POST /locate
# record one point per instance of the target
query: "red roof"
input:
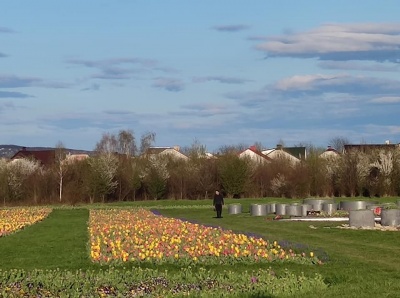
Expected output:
(45, 157)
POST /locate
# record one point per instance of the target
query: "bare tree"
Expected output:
(338, 143)
(353, 172)
(61, 166)
(107, 144)
(232, 149)
(196, 150)
(135, 178)
(127, 143)
(123, 143)
(146, 141)
(258, 146)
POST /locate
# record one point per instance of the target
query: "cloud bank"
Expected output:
(339, 42)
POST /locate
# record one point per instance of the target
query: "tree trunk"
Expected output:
(61, 187)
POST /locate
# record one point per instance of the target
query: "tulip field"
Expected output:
(140, 236)
(12, 220)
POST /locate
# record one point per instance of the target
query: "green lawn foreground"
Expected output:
(59, 241)
(360, 263)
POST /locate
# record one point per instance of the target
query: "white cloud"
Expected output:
(303, 82)
(369, 41)
(340, 83)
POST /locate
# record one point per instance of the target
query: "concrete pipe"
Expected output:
(329, 208)
(294, 210)
(271, 208)
(361, 218)
(317, 203)
(390, 217)
(355, 205)
(235, 209)
(305, 208)
(258, 210)
(280, 209)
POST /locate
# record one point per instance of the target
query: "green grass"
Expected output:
(360, 263)
(59, 241)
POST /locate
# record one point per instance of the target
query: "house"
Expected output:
(75, 157)
(255, 155)
(166, 151)
(368, 148)
(209, 155)
(294, 154)
(330, 153)
(45, 157)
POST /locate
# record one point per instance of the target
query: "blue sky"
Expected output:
(219, 72)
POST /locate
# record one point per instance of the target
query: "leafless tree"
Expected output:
(123, 143)
(127, 143)
(232, 149)
(61, 166)
(107, 144)
(259, 146)
(196, 150)
(338, 143)
(146, 141)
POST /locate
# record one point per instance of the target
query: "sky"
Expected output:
(218, 73)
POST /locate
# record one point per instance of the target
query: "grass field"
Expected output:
(357, 263)
(360, 263)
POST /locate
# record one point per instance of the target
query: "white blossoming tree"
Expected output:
(155, 176)
(384, 163)
(18, 171)
(3, 180)
(278, 185)
(103, 169)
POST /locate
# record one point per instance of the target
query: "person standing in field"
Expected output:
(218, 203)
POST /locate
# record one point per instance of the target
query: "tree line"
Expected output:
(120, 170)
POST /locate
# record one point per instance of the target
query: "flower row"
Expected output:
(139, 282)
(139, 235)
(15, 219)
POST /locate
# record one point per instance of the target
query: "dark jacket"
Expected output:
(218, 199)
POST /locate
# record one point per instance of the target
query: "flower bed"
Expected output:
(140, 282)
(12, 220)
(140, 236)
